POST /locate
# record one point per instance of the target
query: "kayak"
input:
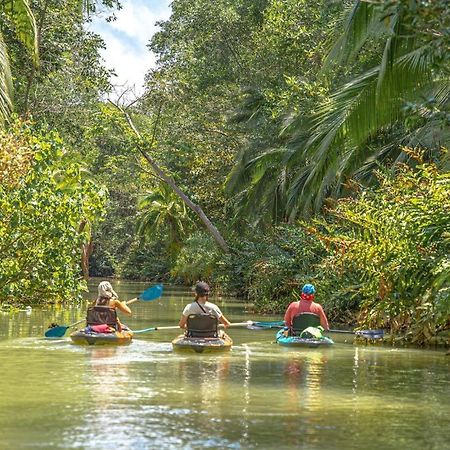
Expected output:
(81, 337)
(222, 343)
(297, 341)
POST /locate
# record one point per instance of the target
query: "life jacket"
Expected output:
(202, 325)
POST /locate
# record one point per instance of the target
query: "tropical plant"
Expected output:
(389, 254)
(162, 210)
(197, 260)
(400, 98)
(268, 267)
(17, 15)
(411, 70)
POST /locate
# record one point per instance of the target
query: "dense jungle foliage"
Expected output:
(277, 142)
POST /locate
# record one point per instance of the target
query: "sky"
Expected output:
(126, 40)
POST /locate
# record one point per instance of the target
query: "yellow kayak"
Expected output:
(222, 343)
(81, 337)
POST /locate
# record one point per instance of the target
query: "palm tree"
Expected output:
(374, 102)
(17, 15)
(402, 100)
(162, 209)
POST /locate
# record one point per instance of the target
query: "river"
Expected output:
(55, 395)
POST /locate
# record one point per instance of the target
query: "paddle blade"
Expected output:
(56, 332)
(370, 334)
(152, 293)
(265, 325)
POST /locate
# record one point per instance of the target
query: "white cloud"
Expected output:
(126, 40)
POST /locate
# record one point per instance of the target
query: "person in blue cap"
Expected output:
(306, 305)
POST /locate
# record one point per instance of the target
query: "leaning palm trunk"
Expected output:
(170, 181)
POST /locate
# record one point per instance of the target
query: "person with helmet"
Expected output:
(201, 305)
(306, 305)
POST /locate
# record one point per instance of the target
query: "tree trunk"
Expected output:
(86, 252)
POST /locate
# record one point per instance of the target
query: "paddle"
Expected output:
(148, 295)
(57, 331)
(368, 334)
(175, 327)
(264, 325)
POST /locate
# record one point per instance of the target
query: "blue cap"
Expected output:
(309, 289)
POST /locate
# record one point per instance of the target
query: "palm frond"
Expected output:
(363, 21)
(20, 14)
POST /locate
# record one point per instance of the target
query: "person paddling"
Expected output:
(107, 298)
(306, 305)
(201, 306)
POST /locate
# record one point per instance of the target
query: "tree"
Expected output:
(389, 253)
(395, 93)
(162, 210)
(142, 145)
(16, 15)
(411, 67)
(42, 202)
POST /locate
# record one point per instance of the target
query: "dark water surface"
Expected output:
(55, 395)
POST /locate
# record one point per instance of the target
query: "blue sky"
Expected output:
(127, 37)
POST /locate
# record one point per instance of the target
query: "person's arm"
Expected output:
(183, 321)
(224, 320)
(220, 317)
(288, 316)
(184, 316)
(323, 319)
(122, 306)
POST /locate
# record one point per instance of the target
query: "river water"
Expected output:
(55, 395)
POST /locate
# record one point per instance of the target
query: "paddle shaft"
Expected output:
(129, 302)
(176, 327)
(276, 324)
(361, 332)
(342, 331)
(76, 323)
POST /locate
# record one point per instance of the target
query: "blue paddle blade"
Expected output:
(56, 332)
(152, 293)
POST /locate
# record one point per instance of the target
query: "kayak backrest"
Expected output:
(304, 320)
(202, 325)
(99, 315)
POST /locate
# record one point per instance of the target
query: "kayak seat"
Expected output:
(202, 325)
(101, 315)
(302, 321)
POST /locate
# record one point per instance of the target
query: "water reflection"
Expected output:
(304, 402)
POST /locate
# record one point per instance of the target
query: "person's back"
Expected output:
(197, 307)
(306, 305)
(201, 306)
(108, 299)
